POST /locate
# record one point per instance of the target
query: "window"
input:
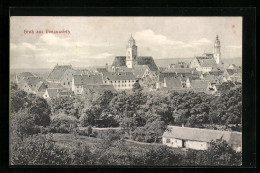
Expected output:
(133, 81)
(46, 95)
(122, 81)
(118, 81)
(168, 140)
(68, 83)
(105, 81)
(115, 81)
(118, 85)
(111, 81)
(129, 81)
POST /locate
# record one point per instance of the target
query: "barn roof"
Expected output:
(88, 79)
(204, 135)
(119, 61)
(119, 76)
(58, 71)
(206, 61)
(173, 82)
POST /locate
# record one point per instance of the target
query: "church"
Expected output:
(208, 61)
(132, 61)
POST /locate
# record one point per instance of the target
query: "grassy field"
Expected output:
(72, 141)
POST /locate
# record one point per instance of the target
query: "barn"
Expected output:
(199, 139)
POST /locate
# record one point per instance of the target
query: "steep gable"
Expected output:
(58, 72)
(147, 60)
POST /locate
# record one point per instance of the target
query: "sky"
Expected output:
(95, 41)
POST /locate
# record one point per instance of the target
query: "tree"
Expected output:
(137, 87)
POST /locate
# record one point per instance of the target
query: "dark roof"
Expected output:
(147, 60)
(124, 69)
(33, 82)
(88, 79)
(203, 135)
(119, 76)
(58, 72)
(196, 84)
(206, 61)
(173, 82)
(119, 61)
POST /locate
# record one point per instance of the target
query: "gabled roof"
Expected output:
(88, 79)
(58, 72)
(139, 70)
(147, 60)
(199, 84)
(119, 61)
(203, 135)
(173, 82)
(206, 61)
(119, 76)
(34, 82)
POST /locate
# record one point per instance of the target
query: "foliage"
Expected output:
(151, 132)
(62, 123)
(38, 150)
(218, 153)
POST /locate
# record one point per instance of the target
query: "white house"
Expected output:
(199, 139)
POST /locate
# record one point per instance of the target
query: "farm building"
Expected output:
(199, 139)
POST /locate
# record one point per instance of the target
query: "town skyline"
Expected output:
(89, 45)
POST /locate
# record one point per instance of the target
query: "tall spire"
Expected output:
(131, 41)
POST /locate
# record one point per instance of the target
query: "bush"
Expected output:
(38, 150)
(63, 123)
(85, 132)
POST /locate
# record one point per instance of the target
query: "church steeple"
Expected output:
(217, 54)
(131, 53)
(131, 41)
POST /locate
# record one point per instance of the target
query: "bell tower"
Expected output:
(217, 54)
(131, 53)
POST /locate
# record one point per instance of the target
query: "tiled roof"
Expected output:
(33, 82)
(203, 135)
(173, 82)
(125, 69)
(119, 61)
(206, 61)
(197, 84)
(119, 76)
(147, 60)
(88, 79)
(58, 72)
(139, 70)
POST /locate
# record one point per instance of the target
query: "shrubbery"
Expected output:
(62, 123)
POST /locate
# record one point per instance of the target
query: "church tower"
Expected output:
(131, 53)
(217, 54)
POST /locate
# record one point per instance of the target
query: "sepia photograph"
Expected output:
(125, 91)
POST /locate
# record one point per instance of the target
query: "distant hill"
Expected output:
(236, 61)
